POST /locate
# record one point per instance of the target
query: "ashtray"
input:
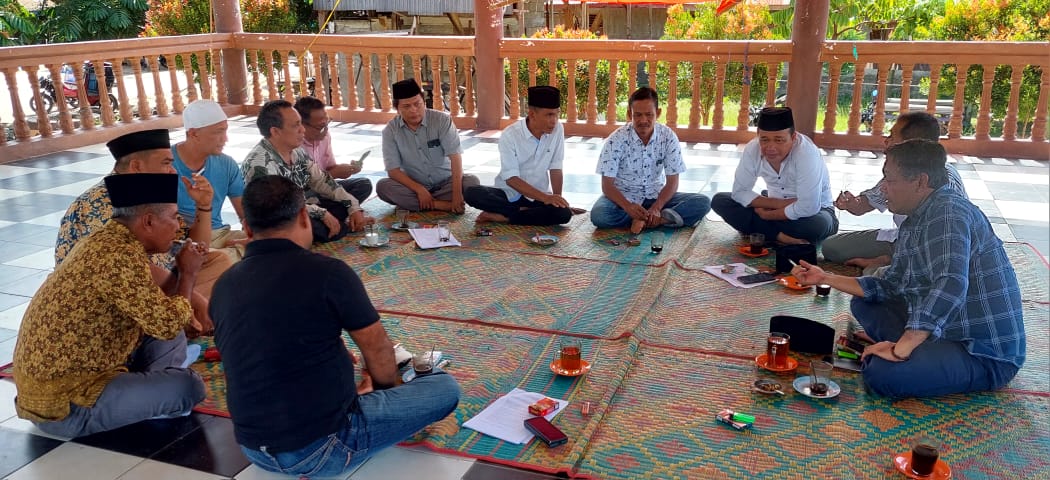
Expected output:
(768, 387)
(544, 240)
(483, 232)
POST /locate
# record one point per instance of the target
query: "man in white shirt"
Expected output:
(639, 165)
(318, 144)
(531, 150)
(797, 206)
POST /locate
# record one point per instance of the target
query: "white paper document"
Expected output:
(505, 418)
(739, 270)
(428, 238)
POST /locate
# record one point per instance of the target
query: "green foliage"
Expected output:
(868, 19)
(268, 16)
(18, 26)
(177, 17)
(82, 20)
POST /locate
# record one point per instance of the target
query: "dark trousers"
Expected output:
(360, 188)
(813, 229)
(520, 212)
(339, 211)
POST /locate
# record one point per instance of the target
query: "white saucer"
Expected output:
(365, 244)
(403, 228)
(801, 385)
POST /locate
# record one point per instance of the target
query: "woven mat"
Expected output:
(578, 239)
(1033, 274)
(598, 299)
(661, 425)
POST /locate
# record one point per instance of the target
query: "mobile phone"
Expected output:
(361, 161)
(756, 278)
(546, 431)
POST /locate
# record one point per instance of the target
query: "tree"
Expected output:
(18, 26)
(82, 20)
(870, 19)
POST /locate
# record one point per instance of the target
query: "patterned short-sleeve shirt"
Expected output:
(639, 169)
(264, 160)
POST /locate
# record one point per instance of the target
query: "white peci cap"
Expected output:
(202, 113)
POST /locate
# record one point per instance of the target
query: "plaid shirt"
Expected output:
(878, 201)
(953, 274)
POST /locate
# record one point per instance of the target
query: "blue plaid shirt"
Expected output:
(953, 274)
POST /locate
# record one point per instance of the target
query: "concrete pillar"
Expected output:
(807, 40)
(489, 66)
(234, 66)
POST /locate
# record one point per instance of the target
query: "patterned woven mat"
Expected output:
(578, 239)
(526, 291)
(661, 425)
(1033, 273)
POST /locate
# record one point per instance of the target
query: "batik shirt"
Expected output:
(88, 213)
(640, 170)
(878, 200)
(304, 172)
(86, 320)
(953, 273)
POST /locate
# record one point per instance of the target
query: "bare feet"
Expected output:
(486, 217)
(881, 260)
(637, 226)
(578, 210)
(789, 240)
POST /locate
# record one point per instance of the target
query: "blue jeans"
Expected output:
(375, 421)
(690, 206)
(935, 368)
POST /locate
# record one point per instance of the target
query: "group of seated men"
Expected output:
(144, 258)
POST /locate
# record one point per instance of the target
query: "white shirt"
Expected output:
(803, 176)
(640, 169)
(523, 155)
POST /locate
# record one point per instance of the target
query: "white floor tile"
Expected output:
(1004, 233)
(50, 220)
(255, 473)
(8, 171)
(4, 223)
(99, 166)
(6, 194)
(11, 318)
(73, 189)
(42, 260)
(7, 399)
(72, 460)
(403, 463)
(25, 426)
(1035, 211)
(1011, 177)
(976, 189)
(154, 470)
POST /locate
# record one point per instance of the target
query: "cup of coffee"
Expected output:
(402, 217)
(443, 231)
(820, 380)
(757, 241)
(823, 290)
(422, 363)
(924, 454)
(778, 346)
(656, 243)
(570, 351)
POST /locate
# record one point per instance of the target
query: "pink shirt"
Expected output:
(321, 151)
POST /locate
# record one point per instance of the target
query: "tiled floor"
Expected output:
(34, 194)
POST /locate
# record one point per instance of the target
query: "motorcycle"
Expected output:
(70, 88)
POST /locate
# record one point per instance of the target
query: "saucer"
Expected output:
(556, 368)
(745, 250)
(792, 283)
(544, 240)
(763, 362)
(941, 470)
(365, 244)
(801, 385)
(403, 228)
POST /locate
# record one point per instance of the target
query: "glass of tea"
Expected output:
(656, 243)
(757, 241)
(778, 346)
(570, 352)
(924, 454)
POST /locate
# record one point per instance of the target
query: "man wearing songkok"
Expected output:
(201, 153)
(871, 249)
(797, 207)
(101, 345)
(531, 151)
(422, 156)
(639, 165)
(946, 315)
(333, 211)
(149, 151)
(318, 144)
(290, 385)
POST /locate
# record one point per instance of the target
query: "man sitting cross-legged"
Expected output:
(639, 165)
(290, 379)
(101, 345)
(422, 156)
(531, 151)
(946, 315)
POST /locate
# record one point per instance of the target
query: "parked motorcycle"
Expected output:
(70, 88)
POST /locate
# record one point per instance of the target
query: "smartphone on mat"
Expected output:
(546, 431)
(756, 278)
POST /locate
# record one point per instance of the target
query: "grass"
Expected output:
(729, 114)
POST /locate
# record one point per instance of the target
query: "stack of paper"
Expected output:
(739, 270)
(505, 418)
(428, 238)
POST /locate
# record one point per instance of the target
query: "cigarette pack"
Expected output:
(543, 407)
(726, 417)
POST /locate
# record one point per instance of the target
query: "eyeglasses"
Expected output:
(322, 128)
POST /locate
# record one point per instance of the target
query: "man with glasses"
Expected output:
(333, 212)
(871, 249)
(422, 156)
(318, 144)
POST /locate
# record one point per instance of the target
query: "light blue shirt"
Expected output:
(802, 176)
(640, 170)
(226, 181)
(523, 155)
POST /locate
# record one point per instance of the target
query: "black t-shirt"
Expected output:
(279, 315)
